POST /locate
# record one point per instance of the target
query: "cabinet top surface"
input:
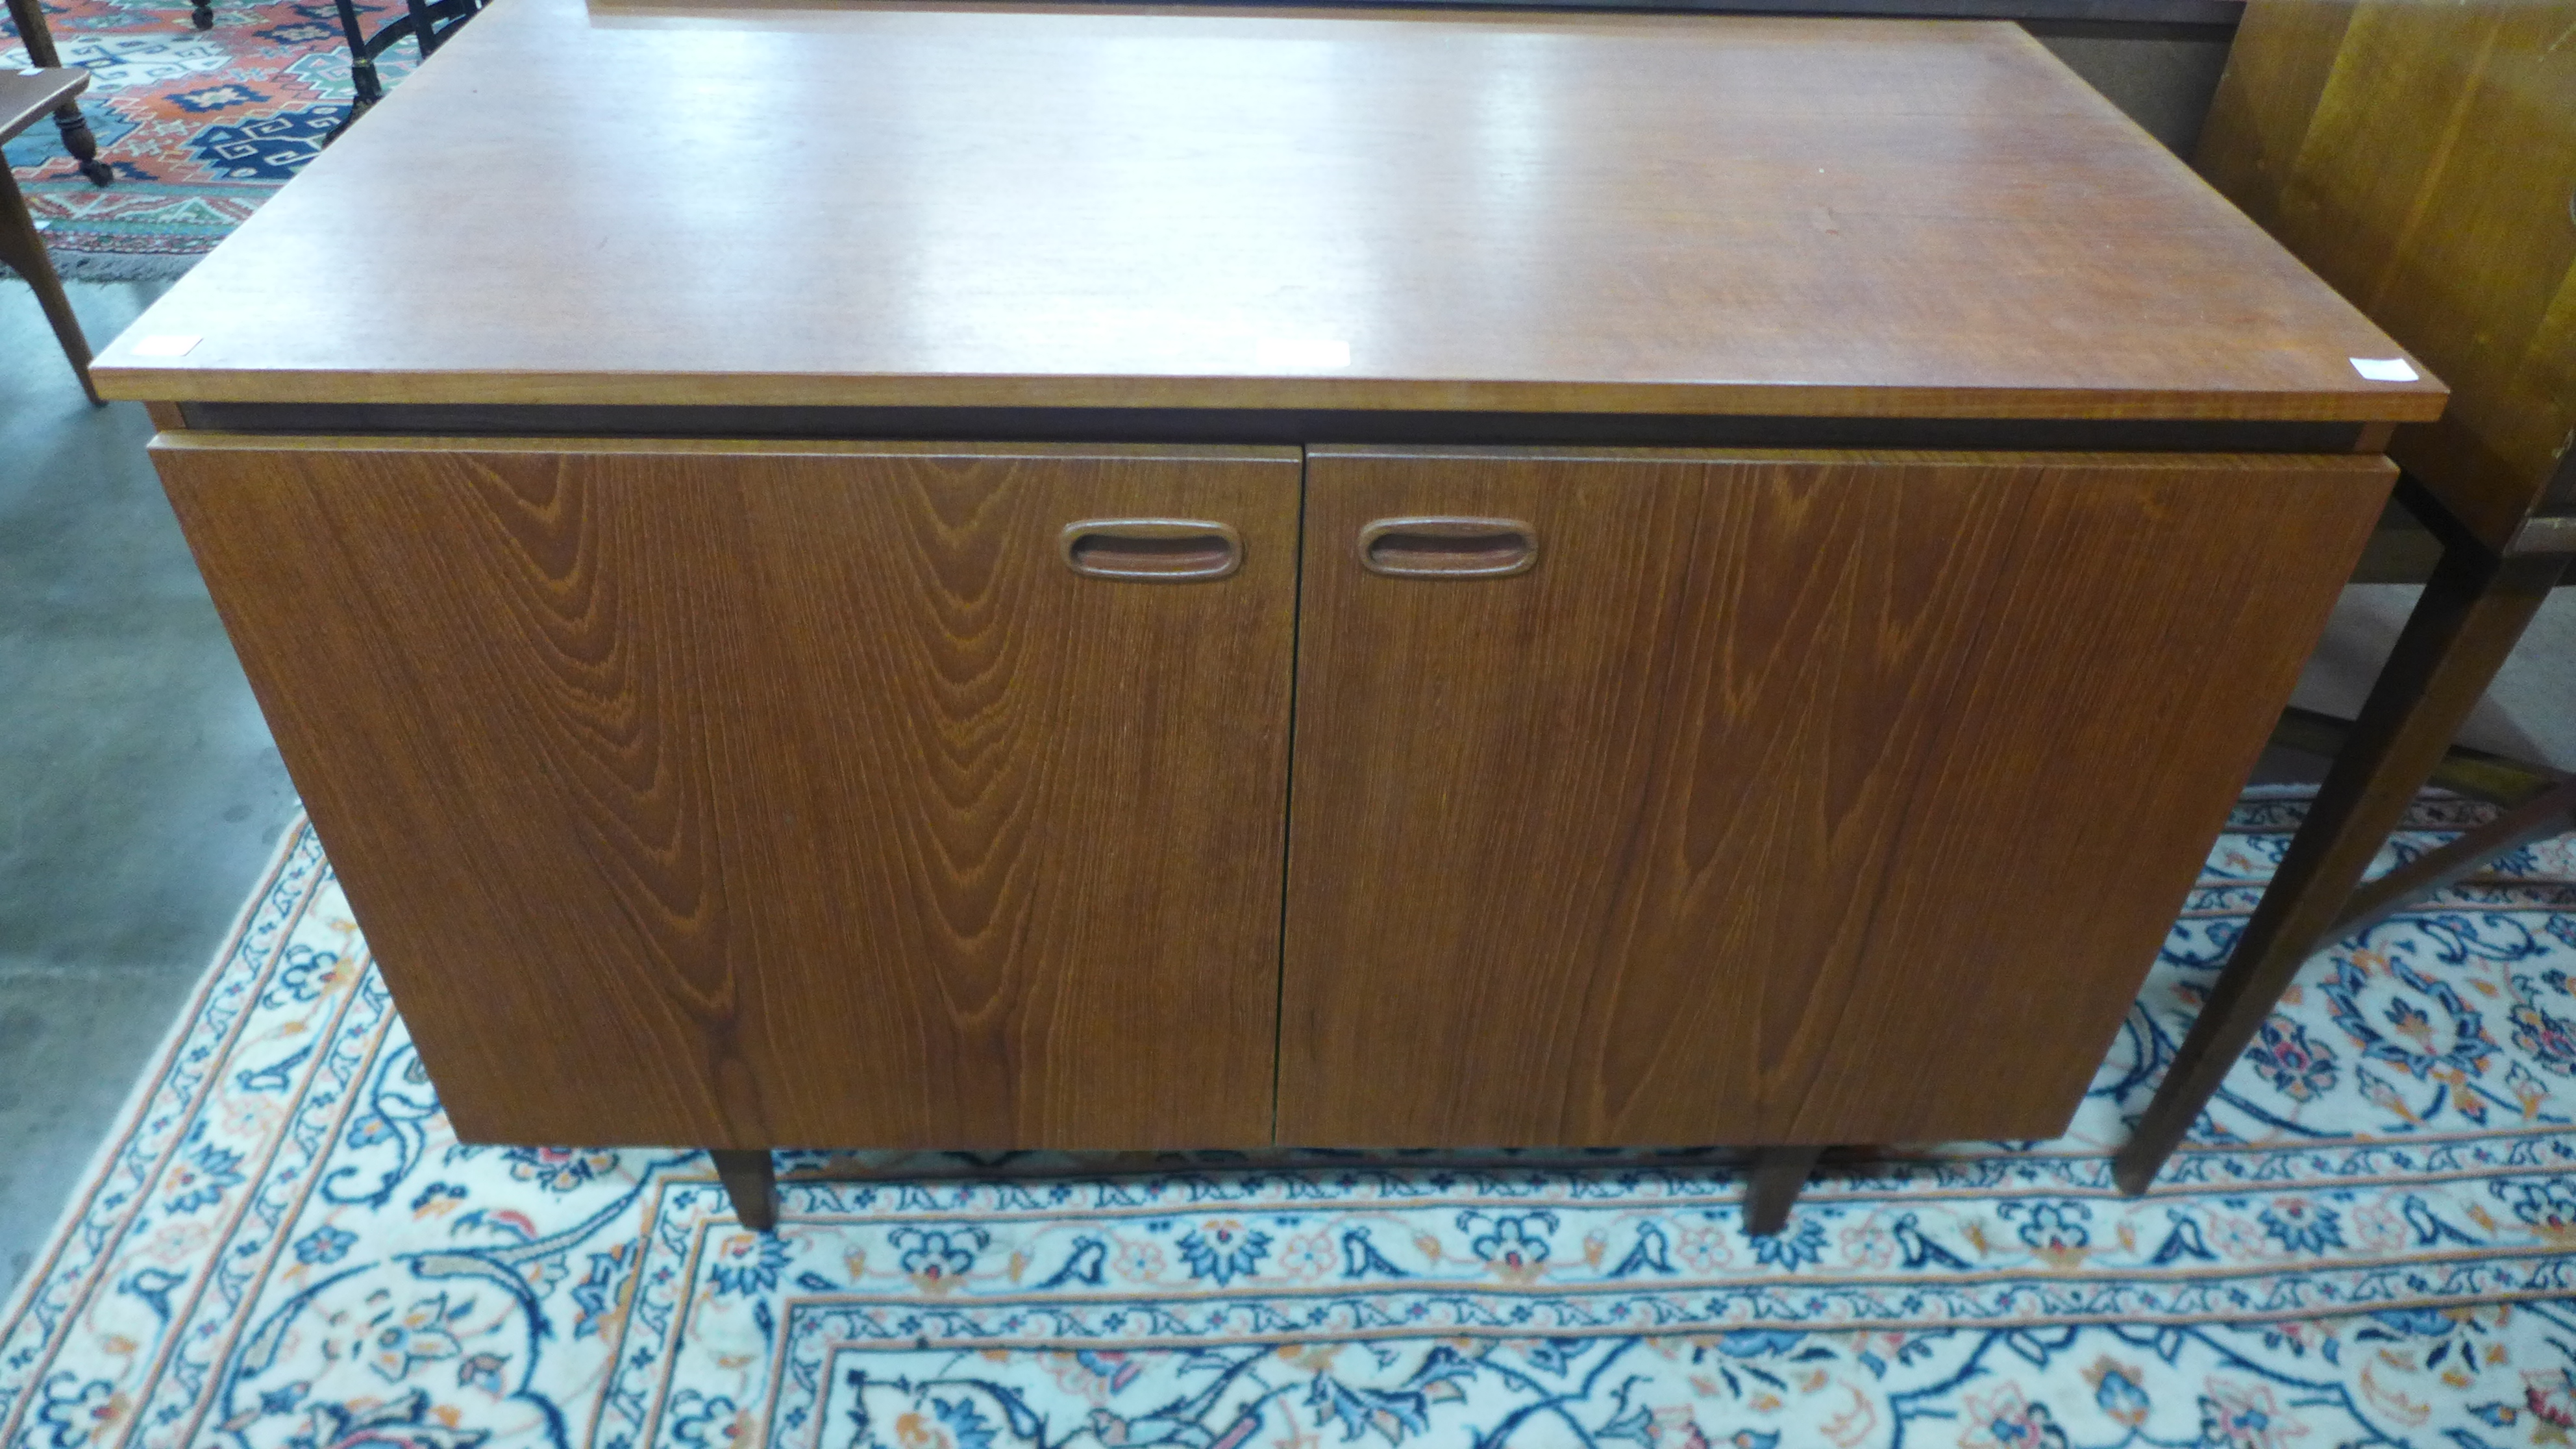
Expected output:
(1073, 207)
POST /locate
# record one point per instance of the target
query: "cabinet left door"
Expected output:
(810, 794)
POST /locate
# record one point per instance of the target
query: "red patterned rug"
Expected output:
(200, 126)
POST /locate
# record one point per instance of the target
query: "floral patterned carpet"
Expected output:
(2366, 1243)
(199, 126)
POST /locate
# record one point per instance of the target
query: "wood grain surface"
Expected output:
(986, 206)
(1788, 799)
(740, 795)
(25, 95)
(2423, 159)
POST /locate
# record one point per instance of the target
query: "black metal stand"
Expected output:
(428, 22)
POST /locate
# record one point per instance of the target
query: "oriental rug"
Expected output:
(2366, 1242)
(199, 126)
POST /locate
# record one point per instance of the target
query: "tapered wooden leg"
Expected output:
(1778, 1173)
(2471, 613)
(751, 1181)
(2538, 818)
(29, 18)
(23, 248)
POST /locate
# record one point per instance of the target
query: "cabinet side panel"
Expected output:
(2147, 628)
(1825, 799)
(750, 799)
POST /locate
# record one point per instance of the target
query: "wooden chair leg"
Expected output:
(29, 17)
(2538, 818)
(2470, 615)
(82, 143)
(23, 248)
(751, 1180)
(1772, 1187)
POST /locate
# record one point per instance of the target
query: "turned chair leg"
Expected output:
(78, 139)
(1772, 1186)
(751, 1180)
(33, 33)
(2471, 613)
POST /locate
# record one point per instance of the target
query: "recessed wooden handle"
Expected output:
(1448, 548)
(1152, 550)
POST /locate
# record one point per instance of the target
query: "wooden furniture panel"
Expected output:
(1786, 798)
(1078, 206)
(2421, 158)
(809, 793)
(744, 796)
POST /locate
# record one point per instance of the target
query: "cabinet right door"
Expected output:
(1650, 797)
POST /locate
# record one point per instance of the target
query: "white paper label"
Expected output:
(2384, 369)
(165, 345)
(1301, 352)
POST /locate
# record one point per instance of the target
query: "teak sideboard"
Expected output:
(1086, 579)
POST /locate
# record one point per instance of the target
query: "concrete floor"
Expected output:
(2529, 713)
(144, 797)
